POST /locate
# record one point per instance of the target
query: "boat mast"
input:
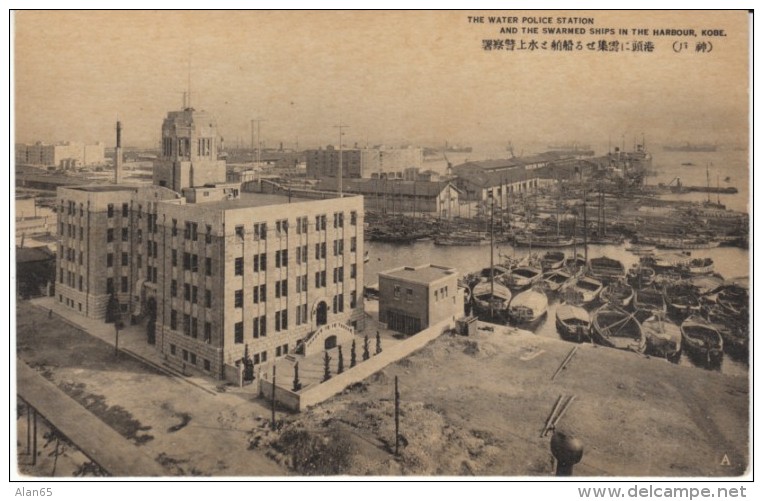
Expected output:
(707, 172)
(718, 187)
(585, 228)
(492, 273)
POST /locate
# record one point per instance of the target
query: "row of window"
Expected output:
(191, 357)
(260, 230)
(71, 209)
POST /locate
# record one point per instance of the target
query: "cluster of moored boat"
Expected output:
(665, 305)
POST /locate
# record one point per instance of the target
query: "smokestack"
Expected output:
(118, 155)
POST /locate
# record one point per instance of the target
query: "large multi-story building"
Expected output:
(64, 155)
(363, 163)
(228, 279)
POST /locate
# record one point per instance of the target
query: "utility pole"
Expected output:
(341, 126)
(273, 401)
(397, 418)
(259, 143)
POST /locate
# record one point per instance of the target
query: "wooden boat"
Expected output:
(702, 338)
(606, 269)
(575, 264)
(701, 266)
(734, 299)
(663, 337)
(573, 322)
(616, 328)
(670, 261)
(524, 276)
(682, 300)
(491, 300)
(585, 289)
(553, 241)
(528, 306)
(641, 276)
(554, 280)
(553, 260)
(734, 330)
(641, 249)
(618, 293)
(706, 284)
(649, 300)
(463, 238)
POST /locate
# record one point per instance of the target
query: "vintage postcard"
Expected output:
(383, 244)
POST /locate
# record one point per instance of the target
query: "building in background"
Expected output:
(66, 155)
(436, 198)
(362, 162)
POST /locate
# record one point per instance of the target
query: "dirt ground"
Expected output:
(469, 406)
(476, 406)
(187, 430)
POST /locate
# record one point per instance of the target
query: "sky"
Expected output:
(393, 77)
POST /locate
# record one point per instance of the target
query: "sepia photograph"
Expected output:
(379, 244)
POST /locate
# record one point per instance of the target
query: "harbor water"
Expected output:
(730, 262)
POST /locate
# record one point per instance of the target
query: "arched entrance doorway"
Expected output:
(329, 343)
(321, 314)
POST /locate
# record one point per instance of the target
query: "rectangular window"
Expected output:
(173, 349)
(110, 210)
(299, 254)
(207, 365)
(239, 266)
(194, 294)
(353, 270)
(193, 358)
(260, 231)
(173, 320)
(208, 235)
(194, 263)
(353, 299)
(396, 291)
(174, 257)
(125, 210)
(174, 227)
(260, 262)
(109, 260)
(239, 299)
(110, 235)
(125, 259)
(208, 266)
(187, 292)
(185, 355)
(125, 234)
(186, 260)
(240, 233)
(238, 333)
(174, 288)
(187, 324)
(207, 332)
(353, 218)
(123, 284)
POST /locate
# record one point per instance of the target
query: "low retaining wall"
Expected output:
(315, 394)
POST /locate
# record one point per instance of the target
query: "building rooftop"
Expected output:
(424, 274)
(248, 200)
(101, 188)
(33, 254)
